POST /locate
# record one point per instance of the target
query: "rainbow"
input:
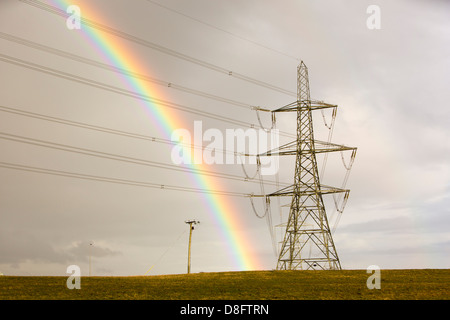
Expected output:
(115, 53)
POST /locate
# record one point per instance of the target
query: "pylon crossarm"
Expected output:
(323, 146)
(308, 190)
(324, 189)
(319, 147)
(301, 105)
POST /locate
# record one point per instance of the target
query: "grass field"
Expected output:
(421, 284)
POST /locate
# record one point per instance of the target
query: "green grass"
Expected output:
(249, 285)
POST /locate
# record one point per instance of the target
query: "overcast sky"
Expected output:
(391, 86)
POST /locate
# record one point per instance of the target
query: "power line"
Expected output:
(84, 125)
(104, 86)
(158, 47)
(225, 31)
(119, 181)
(87, 126)
(167, 250)
(123, 71)
(139, 96)
(128, 134)
(111, 156)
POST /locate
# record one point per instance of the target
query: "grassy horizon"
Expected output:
(396, 284)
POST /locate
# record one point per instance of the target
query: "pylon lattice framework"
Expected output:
(307, 243)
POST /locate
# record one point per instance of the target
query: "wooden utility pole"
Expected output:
(191, 228)
(90, 245)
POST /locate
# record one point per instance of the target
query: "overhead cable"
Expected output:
(136, 95)
(160, 48)
(68, 174)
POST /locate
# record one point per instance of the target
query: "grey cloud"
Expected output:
(441, 249)
(18, 246)
(82, 249)
(388, 225)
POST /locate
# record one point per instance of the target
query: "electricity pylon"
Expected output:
(307, 243)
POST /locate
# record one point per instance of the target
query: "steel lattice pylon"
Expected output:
(307, 243)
